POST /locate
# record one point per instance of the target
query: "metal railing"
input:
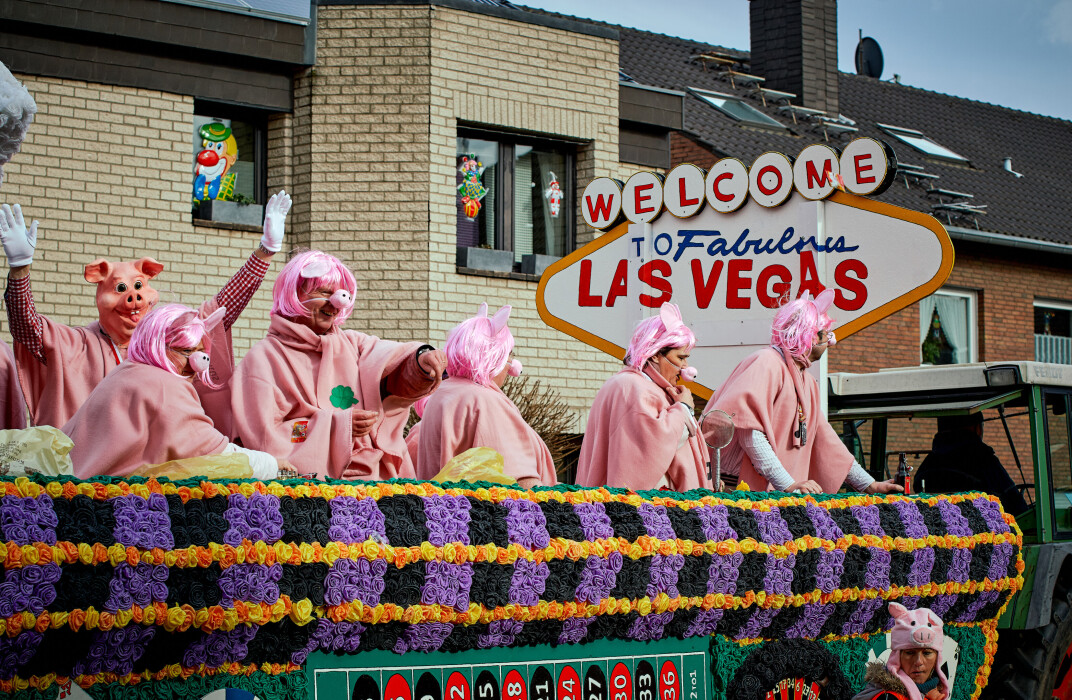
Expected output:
(1053, 348)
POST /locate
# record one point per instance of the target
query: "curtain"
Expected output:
(953, 313)
(926, 312)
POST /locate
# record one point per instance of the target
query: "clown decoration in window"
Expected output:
(219, 152)
(471, 190)
(553, 195)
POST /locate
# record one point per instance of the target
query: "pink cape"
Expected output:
(281, 399)
(760, 395)
(12, 404)
(139, 414)
(413, 439)
(632, 437)
(78, 359)
(463, 414)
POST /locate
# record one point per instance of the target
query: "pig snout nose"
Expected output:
(924, 636)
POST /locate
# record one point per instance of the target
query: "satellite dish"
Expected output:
(868, 58)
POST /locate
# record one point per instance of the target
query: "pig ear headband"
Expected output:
(214, 319)
(498, 321)
(671, 316)
(824, 300)
(315, 269)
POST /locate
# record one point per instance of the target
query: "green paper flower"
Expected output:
(342, 397)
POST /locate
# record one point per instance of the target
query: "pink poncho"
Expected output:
(632, 437)
(760, 395)
(463, 414)
(294, 393)
(139, 414)
(12, 404)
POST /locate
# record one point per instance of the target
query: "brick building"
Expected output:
(364, 112)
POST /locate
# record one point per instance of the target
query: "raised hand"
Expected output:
(19, 243)
(275, 219)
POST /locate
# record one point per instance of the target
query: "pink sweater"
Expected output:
(463, 414)
(282, 400)
(12, 404)
(632, 439)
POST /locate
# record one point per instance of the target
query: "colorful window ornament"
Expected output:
(553, 195)
(471, 190)
(212, 167)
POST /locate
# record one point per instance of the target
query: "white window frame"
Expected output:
(906, 135)
(972, 321)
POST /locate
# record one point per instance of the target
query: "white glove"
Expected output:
(19, 244)
(275, 219)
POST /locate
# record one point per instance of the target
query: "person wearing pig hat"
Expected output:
(781, 440)
(59, 365)
(914, 668)
(333, 402)
(470, 410)
(147, 411)
(641, 430)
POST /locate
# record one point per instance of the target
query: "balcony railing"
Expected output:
(1053, 348)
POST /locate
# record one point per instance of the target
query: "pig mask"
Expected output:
(123, 294)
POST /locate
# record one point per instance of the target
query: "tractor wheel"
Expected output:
(1036, 664)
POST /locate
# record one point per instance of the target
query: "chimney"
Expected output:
(794, 46)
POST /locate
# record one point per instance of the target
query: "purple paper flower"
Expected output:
(829, 570)
(865, 609)
(959, 567)
(116, 650)
(922, 564)
(772, 527)
(911, 517)
(664, 572)
(825, 527)
(355, 579)
(650, 627)
(338, 636)
(447, 519)
(17, 651)
(869, 519)
(528, 582)
(779, 577)
(356, 520)
(500, 633)
(143, 522)
(574, 630)
(526, 524)
(217, 648)
(30, 589)
(984, 599)
(423, 636)
(595, 523)
(910, 601)
(999, 561)
(141, 585)
(723, 573)
(447, 584)
(878, 569)
(761, 618)
(256, 518)
(251, 583)
(991, 512)
(811, 621)
(656, 521)
(705, 623)
(942, 603)
(598, 578)
(954, 519)
(716, 523)
(298, 656)
(28, 520)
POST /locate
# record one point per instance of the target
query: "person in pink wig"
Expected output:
(147, 411)
(914, 669)
(782, 441)
(413, 437)
(60, 365)
(470, 410)
(641, 430)
(334, 402)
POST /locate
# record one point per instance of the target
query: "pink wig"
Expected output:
(171, 326)
(479, 348)
(307, 272)
(797, 321)
(657, 333)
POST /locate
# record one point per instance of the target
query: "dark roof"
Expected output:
(1036, 206)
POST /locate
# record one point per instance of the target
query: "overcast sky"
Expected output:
(1015, 53)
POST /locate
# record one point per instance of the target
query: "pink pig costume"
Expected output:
(638, 435)
(470, 410)
(294, 393)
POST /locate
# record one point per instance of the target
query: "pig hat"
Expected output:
(478, 348)
(123, 294)
(915, 629)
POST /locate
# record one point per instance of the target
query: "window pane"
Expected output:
(922, 143)
(1060, 468)
(476, 180)
(739, 110)
(224, 159)
(1050, 321)
(947, 337)
(541, 206)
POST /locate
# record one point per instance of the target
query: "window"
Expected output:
(1053, 332)
(947, 333)
(514, 194)
(1058, 437)
(920, 142)
(736, 108)
(228, 155)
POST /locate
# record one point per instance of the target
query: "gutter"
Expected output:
(1000, 239)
